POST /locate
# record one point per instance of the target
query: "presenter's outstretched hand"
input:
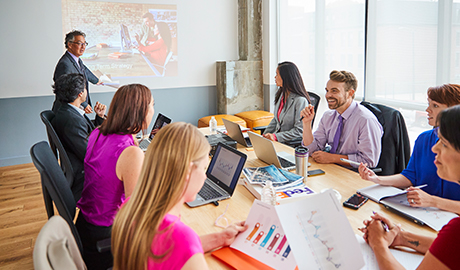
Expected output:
(100, 109)
(368, 174)
(88, 109)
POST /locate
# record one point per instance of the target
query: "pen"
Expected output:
(301, 118)
(421, 186)
(357, 164)
(385, 226)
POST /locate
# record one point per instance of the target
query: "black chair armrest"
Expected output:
(260, 128)
(104, 245)
(294, 143)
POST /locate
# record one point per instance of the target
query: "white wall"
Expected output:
(32, 43)
(269, 51)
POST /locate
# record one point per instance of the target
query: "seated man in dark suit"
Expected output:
(70, 62)
(72, 125)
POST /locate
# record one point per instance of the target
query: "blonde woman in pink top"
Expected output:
(112, 166)
(147, 231)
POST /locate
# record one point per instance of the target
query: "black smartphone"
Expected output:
(315, 172)
(355, 201)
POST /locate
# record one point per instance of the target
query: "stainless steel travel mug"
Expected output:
(301, 161)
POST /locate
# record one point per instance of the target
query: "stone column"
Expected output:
(240, 82)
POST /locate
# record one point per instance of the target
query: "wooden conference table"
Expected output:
(202, 218)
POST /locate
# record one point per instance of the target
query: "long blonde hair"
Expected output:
(160, 187)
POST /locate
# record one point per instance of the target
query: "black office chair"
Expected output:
(395, 153)
(54, 185)
(57, 147)
(314, 101)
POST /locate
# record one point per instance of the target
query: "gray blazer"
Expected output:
(288, 127)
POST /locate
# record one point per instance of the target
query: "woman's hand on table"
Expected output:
(375, 233)
(419, 198)
(231, 232)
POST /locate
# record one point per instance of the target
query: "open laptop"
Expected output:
(161, 121)
(234, 132)
(223, 173)
(265, 151)
(125, 39)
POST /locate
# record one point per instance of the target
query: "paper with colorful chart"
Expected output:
(320, 234)
(264, 240)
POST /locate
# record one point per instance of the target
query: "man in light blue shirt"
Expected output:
(350, 129)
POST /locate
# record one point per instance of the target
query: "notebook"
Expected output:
(223, 173)
(395, 200)
(234, 132)
(160, 122)
(265, 151)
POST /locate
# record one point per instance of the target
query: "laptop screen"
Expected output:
(161, 121)
(225, 167)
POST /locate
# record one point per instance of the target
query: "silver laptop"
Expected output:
(265, 151)
(161, 121)
(234, 132)
(223, 173)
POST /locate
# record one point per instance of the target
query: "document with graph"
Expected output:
(319, 233)
(313, 233)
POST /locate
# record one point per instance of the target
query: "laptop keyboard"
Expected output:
(208, 193)
(144, 144)
(285, 163)
(248, 142)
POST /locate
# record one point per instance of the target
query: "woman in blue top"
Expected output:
(421, 169)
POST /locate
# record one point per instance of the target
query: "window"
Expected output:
(411, 45)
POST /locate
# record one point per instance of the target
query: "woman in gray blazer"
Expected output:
(290, 99)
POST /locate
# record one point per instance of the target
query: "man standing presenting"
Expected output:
(350, 129)
(147, 35)
(72, 125)
(70, 62)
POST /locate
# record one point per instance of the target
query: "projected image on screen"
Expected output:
(125, 39)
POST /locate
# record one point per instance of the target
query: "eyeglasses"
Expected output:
(80, 43)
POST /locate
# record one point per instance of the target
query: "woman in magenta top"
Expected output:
(112, 166)
(440, 252)
(147, 231)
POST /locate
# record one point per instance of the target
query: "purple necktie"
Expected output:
(335, 144)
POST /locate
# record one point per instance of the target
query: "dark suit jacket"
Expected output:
(68, 65)
(395, 140)
(73, 130)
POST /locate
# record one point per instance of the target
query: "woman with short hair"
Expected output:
(421, 170)
(440, 252)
